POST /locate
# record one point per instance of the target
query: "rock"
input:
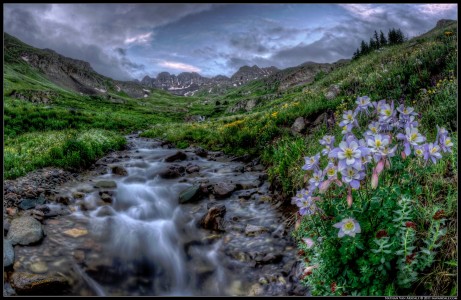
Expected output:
(53, 210)
(78, 195)
(39, 267)
(279, 232)
(79, 255)
(201, 152)
(76, 232)
(106, 198)
(31, 203)
(177, 156)
(8, 253)
(105, 184)
(6, 226)
(26, 283)
(269, 258)
(214, 218)
(63, 199)
(252, 230)
(299, 125)
(192, 169)
(320, 119)
(332, 92)
(118, 170)
(105, 211)
(172, 171)
(223, 189)
(12, 211)
(190, 194)
(255, 290)
(25, 230)
(246, 185)
(37, 214)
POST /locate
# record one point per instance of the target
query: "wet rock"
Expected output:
(214, 218)
(246, 194)
(246, 185)
(39, 267)
(8, 253)
(31, 203)
(63, 199)
(279, 232)
(6, 226)
(299, 125)
(223, 189)
(76, 232)
(172, 171)
(190, 194)
(118, 170)
(53, 210)
(24, 231)
(201, 152)
(258, 168)
(26, 283)
(253, 230)
(78, 195)
(79, 255)
(105, 211)
(269, 258)
(192, 169)
(177, 156)
(106, 197)
(10, 199)
(105, 184)
(37, 214)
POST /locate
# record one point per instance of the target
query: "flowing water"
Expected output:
(141, 241)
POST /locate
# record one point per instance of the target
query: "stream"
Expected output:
(152, 220)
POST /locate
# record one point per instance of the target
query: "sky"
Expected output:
(129, 41)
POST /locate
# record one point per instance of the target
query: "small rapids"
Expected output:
(128, 235)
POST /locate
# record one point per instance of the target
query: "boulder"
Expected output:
(192, 169)
(118, 170)
(299, 125)
(177, 156)
(25, 230)
(201, 152)
(25, 283)
(31, 203)
(108, 184)
(172, 171)
(252, 230)
(214, 218)
(332, 92)
(223, 189)
(190, 194)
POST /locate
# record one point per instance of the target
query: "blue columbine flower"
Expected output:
(411, 137)
(348, 226)
(312, 163)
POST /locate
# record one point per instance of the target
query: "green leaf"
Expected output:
(452, 263)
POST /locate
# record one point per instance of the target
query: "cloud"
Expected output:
(139, 39)
(179, 66)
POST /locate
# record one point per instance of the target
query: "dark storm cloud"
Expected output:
(88, 31)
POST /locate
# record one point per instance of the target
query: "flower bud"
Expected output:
(374, 180)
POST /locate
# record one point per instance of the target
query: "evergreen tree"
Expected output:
(356, 54)
(378, 45)
(392, 37)
(400, 38)
(372, 45)
(364, 48)
(382, 39)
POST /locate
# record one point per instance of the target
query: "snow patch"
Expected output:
(191, 93)
(100, 90)
(25, 58)
(147, 91)
(118, 88)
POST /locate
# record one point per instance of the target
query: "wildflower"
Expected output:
(349, 153)
(411, 137)
(406, 111)
(363, 103)
(312, 163)
(349, 119)
(373, 129)
(316, 179)
(377, 142)
(300, 195)
(352, 176)
(420, 151)
(441, 131)
(432, 152)
(348, 226)
(332, 173)
(327, 141)
(309, 242)
(306, 205)
(446, 144)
